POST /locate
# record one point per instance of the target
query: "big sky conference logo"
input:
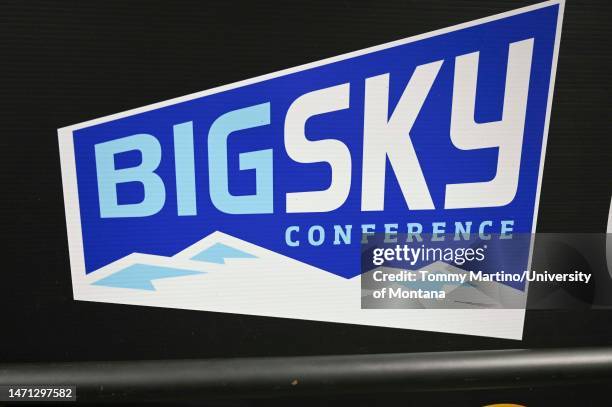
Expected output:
(440, 133)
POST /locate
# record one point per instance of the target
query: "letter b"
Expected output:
(108, 176)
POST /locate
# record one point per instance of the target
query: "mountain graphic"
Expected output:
(138, 270)
(222, 273)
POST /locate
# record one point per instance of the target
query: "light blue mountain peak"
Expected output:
(218, 252)
(139, 276)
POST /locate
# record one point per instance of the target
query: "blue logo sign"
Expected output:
(441, 133)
